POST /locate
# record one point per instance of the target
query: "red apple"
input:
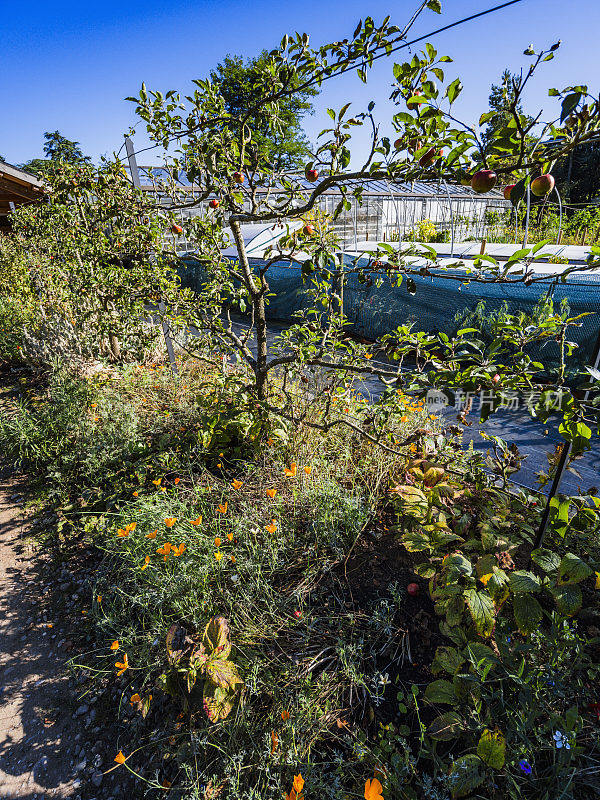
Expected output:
(508, 189)
(413, 589)
(176, 228)
(429, 157)
(238, 177)
(213, 203)
(308, 229)
(311, 175)
(484, 180)
(413, 103)
(542, 185)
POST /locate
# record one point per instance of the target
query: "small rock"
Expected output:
(83, 709)
(97, 778)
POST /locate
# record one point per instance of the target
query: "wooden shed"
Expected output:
(16, 188)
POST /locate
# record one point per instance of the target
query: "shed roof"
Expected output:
(17, 187)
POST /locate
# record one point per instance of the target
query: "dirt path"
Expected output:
(36, 723)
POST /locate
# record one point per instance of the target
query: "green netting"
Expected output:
(438, 304)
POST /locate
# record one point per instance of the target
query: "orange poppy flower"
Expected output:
(230, 536)
(177, 551)
(368, 355)
(219, 465)
(135, 494)
(217, 541)
(170, 521)
(99, 598)
(308, 470)
(162, 489)
(152, 534)
(120, 758)
(269, 440)
(237, 484)
(271, 493)
(272, 527)
(298, 784)
(274, 741)
(285, 715)
(218, 555)
(157, 482)
(135, 698)
(122, 532)
(373, 790)
(131, 526)
(115, 645)
(176, 481)
(223, 507)
(197, 521)
(291, 471)
(146, 562)
(122, 665)
(93, 405)
(164, 550)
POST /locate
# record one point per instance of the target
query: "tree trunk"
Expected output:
(257, 295)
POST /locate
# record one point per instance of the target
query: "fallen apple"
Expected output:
(542, 185)
(413, 589)
(483, 181)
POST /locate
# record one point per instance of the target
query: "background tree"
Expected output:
(284, 142)
(502, 101)
(58, 150)
(578, 175)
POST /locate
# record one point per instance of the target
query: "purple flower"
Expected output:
(525, 766)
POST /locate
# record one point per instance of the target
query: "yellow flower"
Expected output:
(218, 555)
(291, 471)
(271, 493)
(120, 758)
(122, 665)
(146, 562)
(170, 521)
(217, 541)
(197, 521)
(223, 507)
(237, 484)
(115, 645)
(308, 470)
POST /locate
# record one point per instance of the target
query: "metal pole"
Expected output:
(562, 464)
(135, 179)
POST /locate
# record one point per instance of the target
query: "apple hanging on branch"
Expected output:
(542, 185)
(483, 181)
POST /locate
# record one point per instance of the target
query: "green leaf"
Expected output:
(522, 581)
(569, 103)
(447, 659)
(481, 607)
(446, 727)
(466, 774)
(546, 560)
(492, 748)
(435, 5)
(454, 89)
(568, 598)
(528, 612)
(573, 569)
(441, 691)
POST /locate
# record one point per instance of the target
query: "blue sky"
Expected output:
(69, 65)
